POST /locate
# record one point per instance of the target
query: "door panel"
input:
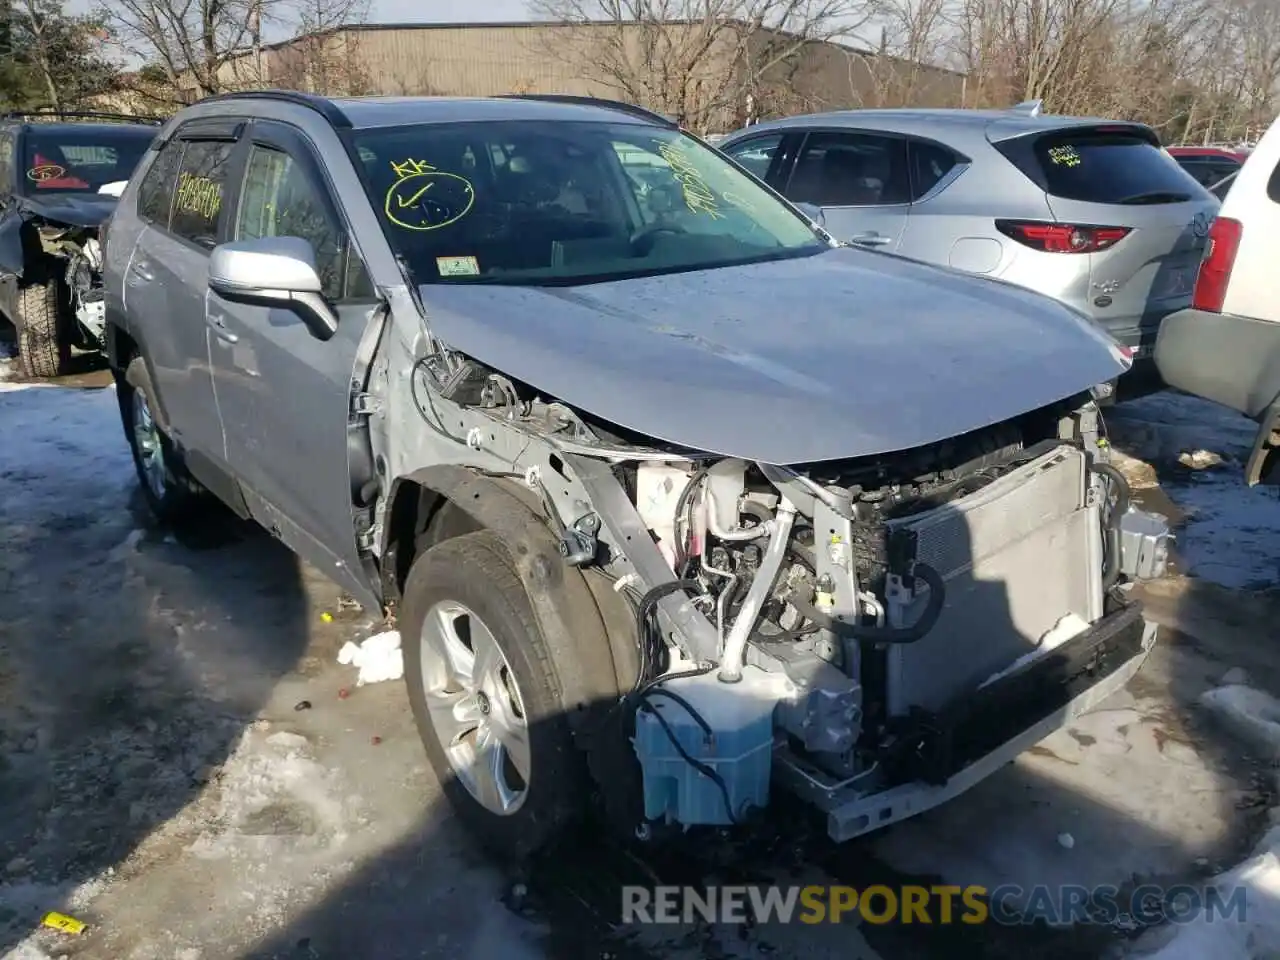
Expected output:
(165, 285)
(282, 394)
(862, 183)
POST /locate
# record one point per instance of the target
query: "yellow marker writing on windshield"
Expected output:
(424, 198)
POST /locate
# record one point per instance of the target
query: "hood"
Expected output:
(72, 209)
(844, 354)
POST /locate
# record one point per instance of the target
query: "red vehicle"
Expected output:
(1213, 167)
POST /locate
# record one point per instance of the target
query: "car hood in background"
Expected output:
(73, 209)
(842, 354)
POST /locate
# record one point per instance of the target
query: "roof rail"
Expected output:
(620, 105)
(321, 105)
(79, 115)
(1031, 108)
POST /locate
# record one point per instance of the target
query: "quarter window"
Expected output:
(851, 170)
(929, 164)
(155, 193)
(281, 200)
(201, 187)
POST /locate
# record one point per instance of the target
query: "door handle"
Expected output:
(219, 324)
(142, 270)
(870, 240)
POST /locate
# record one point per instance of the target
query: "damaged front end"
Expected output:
(79, 251)
(874, 634)
(60, 242)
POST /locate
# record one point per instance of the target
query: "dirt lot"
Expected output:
(180, 767)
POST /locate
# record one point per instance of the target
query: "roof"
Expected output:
(373, 112)
(80, 127)
(1231, 152)
(1011, 123)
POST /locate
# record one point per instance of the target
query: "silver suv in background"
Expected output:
(1090, 212)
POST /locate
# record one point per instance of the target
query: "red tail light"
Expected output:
(1062, 237)
(1215, 268)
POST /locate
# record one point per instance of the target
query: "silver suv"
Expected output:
(671, 497)
(1091, 212)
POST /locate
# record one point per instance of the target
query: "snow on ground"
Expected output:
(1254, 716)
(184, 766)
(1229, 536)
(180, 767)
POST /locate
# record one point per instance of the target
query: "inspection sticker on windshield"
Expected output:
(457, 266)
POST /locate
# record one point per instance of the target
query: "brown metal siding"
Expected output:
(480, 60)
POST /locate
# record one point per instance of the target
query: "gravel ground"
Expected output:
(185, 767)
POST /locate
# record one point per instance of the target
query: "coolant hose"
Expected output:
(735, 646)
(1111, 564)
(853, 631)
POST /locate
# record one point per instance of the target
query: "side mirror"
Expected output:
(274, 272)
(813, 212)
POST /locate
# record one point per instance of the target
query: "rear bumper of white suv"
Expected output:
(1234, 361)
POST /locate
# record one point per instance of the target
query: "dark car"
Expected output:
(1214, 167)
(60, 175)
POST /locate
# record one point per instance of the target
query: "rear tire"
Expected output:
(486, 699)
(43, 348)
(172, 494)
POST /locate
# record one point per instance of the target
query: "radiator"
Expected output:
(1016, 556)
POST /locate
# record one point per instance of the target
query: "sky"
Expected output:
(405, 11)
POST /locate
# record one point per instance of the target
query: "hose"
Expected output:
(682, 510)
(643, 611)
(1120, 486)
(765, 578)
(894, 635)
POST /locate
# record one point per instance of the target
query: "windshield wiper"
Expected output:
(1156, 196)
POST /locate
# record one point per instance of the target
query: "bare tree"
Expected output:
(709, 63)
(1193, 69)
(324, 58)
(204, 47)
(58, 53)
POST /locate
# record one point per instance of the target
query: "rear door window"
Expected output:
(1103, 166)
(202, 184)
(851, 170)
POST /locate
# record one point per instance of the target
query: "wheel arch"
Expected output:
(577, 608)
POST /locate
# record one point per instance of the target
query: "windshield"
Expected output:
(80, 159)
(560, 203)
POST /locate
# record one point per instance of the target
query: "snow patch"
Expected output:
(379, 658)
(1199, 450)
(272, 794)
(1254, 715)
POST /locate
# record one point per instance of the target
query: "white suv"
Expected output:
(1226, 347)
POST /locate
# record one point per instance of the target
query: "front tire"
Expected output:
(485, 697)
(43, 348)
(171, 493)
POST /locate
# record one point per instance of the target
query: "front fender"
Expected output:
(12, 260)
(562, 602)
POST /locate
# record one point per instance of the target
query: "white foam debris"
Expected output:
(379, 658)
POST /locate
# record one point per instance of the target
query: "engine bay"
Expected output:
(861, 630)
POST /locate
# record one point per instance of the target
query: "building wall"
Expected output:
(482, 59)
